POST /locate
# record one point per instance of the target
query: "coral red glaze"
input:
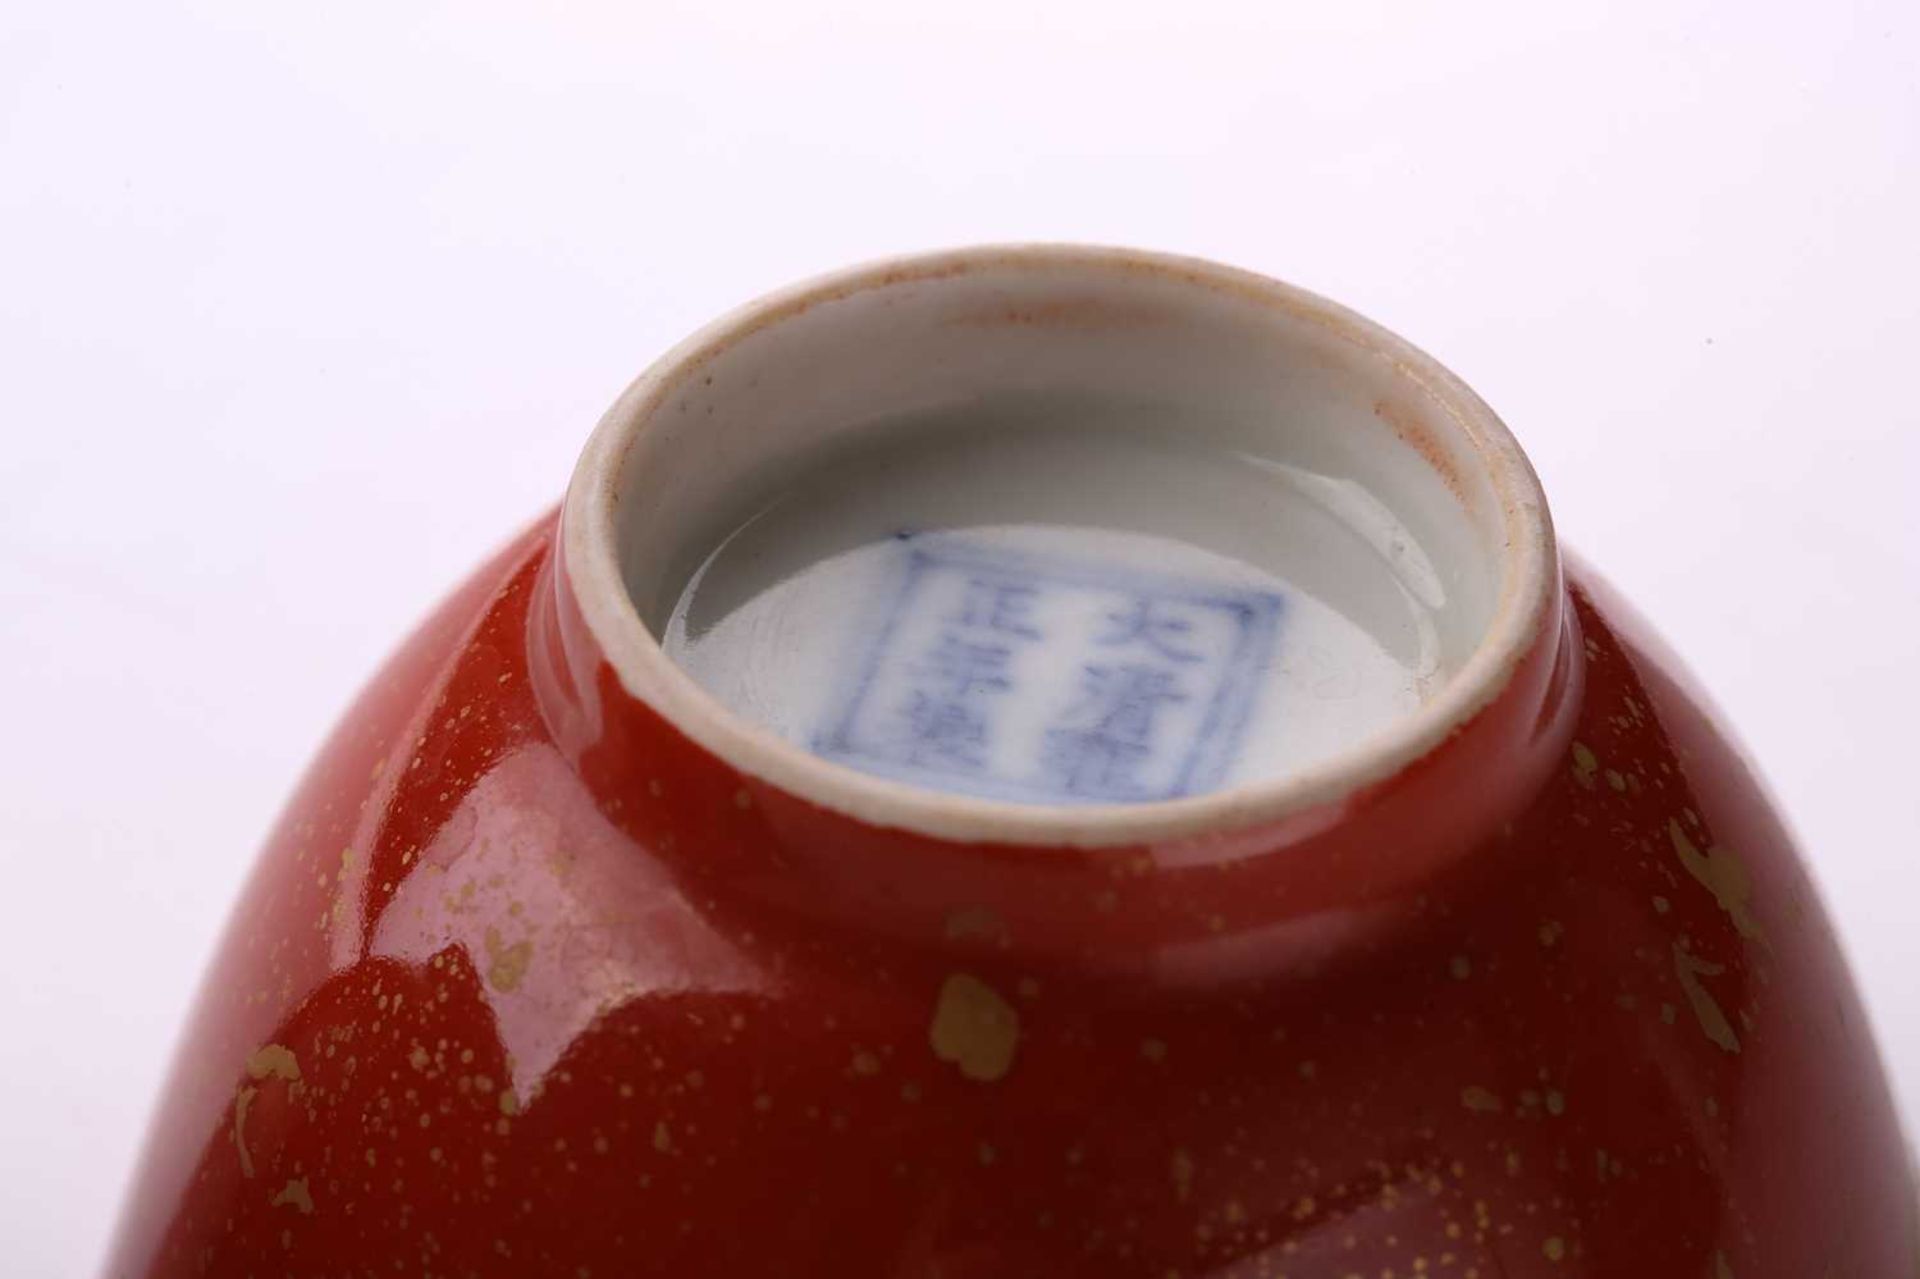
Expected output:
(528, 984)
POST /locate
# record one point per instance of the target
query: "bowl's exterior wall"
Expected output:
(491, 1005)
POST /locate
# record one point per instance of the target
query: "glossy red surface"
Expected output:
(527, 984)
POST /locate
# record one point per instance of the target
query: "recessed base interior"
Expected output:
(1061, 601)
(1061, 535)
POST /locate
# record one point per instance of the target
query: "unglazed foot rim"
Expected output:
(1454, 428)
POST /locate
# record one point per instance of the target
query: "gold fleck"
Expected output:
(506, 965)
(1585, 765)
(1556, 1102)
(974, 1028)
(1616, 779)
(1713, 1022)
(273, 1060)
(741, 799)
(1550, 931)
(1555, 1248)
(509, 1101)
(418, 1058)
(240, 1104)
(662, 1139)
(1661, 905)
(1480, 1101)
(865, 1063)
(295, 1192)
(1461, 967)
(1722, 874)
(1721, 1270)
(1153, 1050)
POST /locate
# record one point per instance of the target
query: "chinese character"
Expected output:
(945, 731)
(946, 723)
(1154, 627)
(960, 667)
(999, 606)
(1111, 728)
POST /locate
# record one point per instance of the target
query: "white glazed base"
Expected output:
(1062, 602)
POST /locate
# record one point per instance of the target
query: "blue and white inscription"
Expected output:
(1019, 676)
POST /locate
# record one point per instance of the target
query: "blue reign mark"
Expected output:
(1016, 676)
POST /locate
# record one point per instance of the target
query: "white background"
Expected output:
(304, 307)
